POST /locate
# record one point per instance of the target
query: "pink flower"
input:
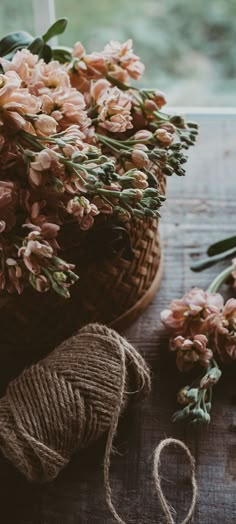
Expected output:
(8, 199)
(43, 161)
(191, 311)
(78, 50)
(164, 136)
(159, 98)
(83, 210)
(122, 55)
(45, 125)
(139, 158)
(224, 326)
(34, 251)
(114, 108)
(15, 101)
(98, 87)
(23, 63)
(191, 350)
(66, 106)
(143, 134)
(51, 76)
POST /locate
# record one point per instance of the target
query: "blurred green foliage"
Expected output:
(188, 46)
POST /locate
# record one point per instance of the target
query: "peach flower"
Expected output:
(190, 351)
(123, 56)
(45, 125)
(15, 101)
(43, 161)
(8, 200)
(23, 63)
(114, 108)
(191, 311)
(225, 331)
(34, 251)
(66, 106)
(50, 76)
(83, 210)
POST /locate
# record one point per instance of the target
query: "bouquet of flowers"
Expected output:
(78, 143)
(203, 335)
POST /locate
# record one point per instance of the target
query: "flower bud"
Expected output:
(164, 137)
(131, 196)
(182, 396)
(79, 157)
(150, 106)
(143, 134)
(40, 283)
(168, 127)
(140, 146)
(211, 378)
(139, 179)
(159, 98)
(139, 158)
(45, 125)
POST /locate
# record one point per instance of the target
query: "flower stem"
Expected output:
(220, 279)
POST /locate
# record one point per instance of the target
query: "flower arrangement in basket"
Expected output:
(83, 159)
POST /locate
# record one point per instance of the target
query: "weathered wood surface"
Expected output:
(199, 209)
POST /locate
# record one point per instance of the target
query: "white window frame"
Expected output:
(44, 15)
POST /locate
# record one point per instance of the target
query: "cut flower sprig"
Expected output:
(203, 336)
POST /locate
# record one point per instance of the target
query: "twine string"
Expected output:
(166, 508)
(69, 399)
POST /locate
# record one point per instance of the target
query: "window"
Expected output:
(188, 47)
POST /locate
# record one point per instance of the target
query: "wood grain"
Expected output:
(199, 209)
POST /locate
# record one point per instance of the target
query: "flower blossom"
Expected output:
(45, 125)
(122, 57)
(192, 311)
(83, 210)
(190, 351)
(114, 108)
(8, 200)
(43, 161)
(15, 101)
(66, 106)
(23, 63)
(225, 331)
(34, 251)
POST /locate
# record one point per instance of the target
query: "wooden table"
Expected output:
(199, 209)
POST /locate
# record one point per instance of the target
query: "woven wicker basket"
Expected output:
(112, 290)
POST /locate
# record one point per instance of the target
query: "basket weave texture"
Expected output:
(111, 290)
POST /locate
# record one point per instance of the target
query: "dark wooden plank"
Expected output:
(199, 209)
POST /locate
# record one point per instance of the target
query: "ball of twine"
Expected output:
(68, 400)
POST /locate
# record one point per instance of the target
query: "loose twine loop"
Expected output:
(69, 399)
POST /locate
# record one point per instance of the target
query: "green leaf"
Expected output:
(62, 54)
(46, 53)
(56, 29)
(221, 246)
(36, 46)
(14, 41)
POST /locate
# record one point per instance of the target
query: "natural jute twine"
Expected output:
(68, 400)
